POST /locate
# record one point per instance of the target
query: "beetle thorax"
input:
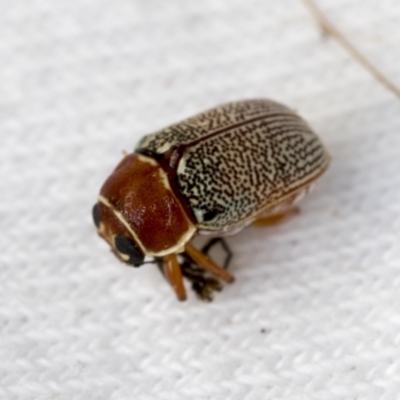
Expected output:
(140, 197)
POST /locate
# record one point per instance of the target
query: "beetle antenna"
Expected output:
(330, 29)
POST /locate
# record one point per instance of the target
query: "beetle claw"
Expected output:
(203, 285)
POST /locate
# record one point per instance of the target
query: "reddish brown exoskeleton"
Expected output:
(212, 174)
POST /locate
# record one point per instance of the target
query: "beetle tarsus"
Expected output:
(203, 285)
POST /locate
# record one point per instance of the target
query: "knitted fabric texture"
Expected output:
(315, 309)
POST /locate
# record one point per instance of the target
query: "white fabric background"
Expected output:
(315, 310)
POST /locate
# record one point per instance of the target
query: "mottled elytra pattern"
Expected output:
(241, 158)
(209, 122)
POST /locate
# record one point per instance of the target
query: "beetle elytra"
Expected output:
(212, 174)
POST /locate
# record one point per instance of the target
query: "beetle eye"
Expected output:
(126, 246)
(96, 215)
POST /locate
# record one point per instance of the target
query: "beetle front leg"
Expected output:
(203, 285)
(172, 271)
(209, 265)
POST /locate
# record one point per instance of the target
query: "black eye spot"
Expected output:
(209, 215)
(96, 215)
(126, 246)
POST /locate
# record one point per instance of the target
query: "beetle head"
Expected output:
(138, 214)
(111, 229)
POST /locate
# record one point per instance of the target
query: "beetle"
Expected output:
(212, 174)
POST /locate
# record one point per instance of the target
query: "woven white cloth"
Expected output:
(315, 309)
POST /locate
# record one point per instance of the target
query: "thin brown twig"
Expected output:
(331, 29)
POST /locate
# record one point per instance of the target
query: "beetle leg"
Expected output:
(208, 264)
(202, 285)
(212, 242)
(172, 271)
(275, 219)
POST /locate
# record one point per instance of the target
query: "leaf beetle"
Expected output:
(212, 174)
